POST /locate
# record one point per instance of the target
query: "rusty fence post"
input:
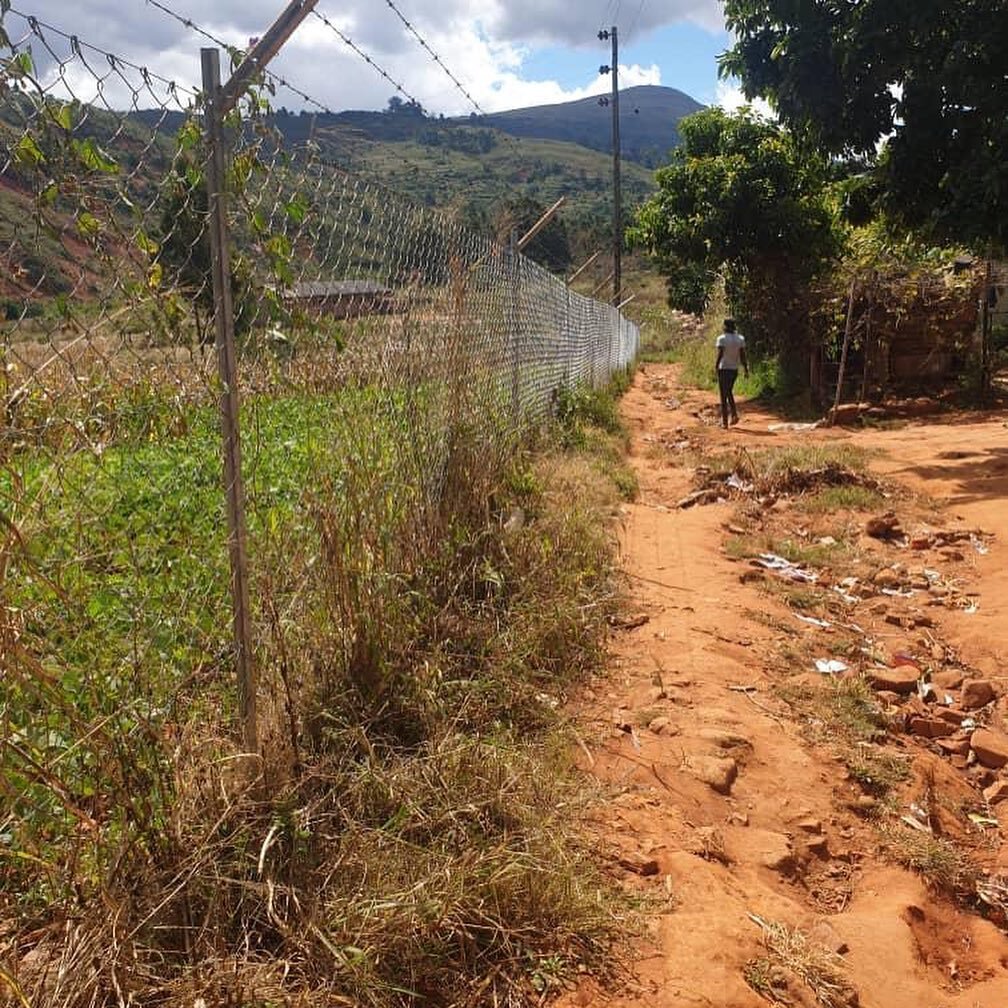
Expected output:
(227, 365)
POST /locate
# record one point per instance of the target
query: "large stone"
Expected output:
(715, 772)
(948, 679)
(991, 748)
(887, 578)
(996, 792)
(885, 526)
(772, 850)
(959, 746)
(722, 738)
(976, 693)
(929, 727)
(640, 864)
(895, 680)
(948, 714)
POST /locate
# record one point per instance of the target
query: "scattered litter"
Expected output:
(785, 568)
(932, 575)
(826, 541)
(844, 595)
(775, 427)
(968, 724)
(971, 609)
(812, 621)
(898, 592)
(925, 690)
(982, 821)
(737, 483)
(830, 666)
(919, 812)
(979, 545)
(916, 824)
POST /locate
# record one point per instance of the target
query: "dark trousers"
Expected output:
(726, 382)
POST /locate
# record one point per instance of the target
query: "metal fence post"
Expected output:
(228, 373)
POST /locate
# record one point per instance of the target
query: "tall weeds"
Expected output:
(409, 834)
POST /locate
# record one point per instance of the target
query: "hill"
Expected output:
(649, 118)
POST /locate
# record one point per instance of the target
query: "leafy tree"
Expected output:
(742, 199)
(928, 77)
(551, 247)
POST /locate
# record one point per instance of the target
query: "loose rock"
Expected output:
(662, 725)
(996, 792)
(955, 746)
(885, 526)
(722, 738)
(976, 693)
(895, 680)
(639, 864)
(928, 727)
(991, 748)
(949, 679)
(718, 774)
(772, 850)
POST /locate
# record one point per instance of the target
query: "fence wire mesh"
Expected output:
(389, 363)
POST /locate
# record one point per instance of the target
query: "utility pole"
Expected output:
(613, 36)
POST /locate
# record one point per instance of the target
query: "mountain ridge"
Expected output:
(649, 118)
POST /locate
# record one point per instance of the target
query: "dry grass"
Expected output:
(943, 865)
(794, 953)
(411, 833)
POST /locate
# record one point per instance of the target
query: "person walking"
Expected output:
(730, 354)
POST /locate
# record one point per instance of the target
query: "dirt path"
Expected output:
(727, 806)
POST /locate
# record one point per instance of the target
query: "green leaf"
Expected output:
(93, 157)
(147, 244)
(189, 136)
(297, 209)
(63, 117)
(28, 152)
(21, 65)
(87, 224)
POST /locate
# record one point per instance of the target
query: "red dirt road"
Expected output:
(783, 841)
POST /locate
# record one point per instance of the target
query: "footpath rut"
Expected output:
(719, 811)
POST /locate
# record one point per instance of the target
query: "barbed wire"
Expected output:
(36, 25)
(437, 59)
(346, 40)
(275, 78)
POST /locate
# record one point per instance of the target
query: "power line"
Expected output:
(434, 56)
(637, 17)
(346, 40)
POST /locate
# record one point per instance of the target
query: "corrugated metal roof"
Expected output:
(336, 288)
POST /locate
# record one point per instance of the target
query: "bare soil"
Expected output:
(730, 807)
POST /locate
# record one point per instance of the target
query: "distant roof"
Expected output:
(336, 288)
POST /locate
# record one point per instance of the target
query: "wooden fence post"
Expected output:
(230, 426)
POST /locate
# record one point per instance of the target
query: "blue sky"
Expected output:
(685, 54)
(503, 53)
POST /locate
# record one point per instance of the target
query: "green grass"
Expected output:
(805, 554)
(841, 498)
(415, 828)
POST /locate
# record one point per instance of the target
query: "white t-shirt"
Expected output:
(732, 343)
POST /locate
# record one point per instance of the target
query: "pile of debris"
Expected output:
(714, 485)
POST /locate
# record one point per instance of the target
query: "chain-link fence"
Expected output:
(388, 363)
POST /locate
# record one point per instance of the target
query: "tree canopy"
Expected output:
(926, 77)
(740, 198)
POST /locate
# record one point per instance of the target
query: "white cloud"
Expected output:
(484, 42)
(731, 99)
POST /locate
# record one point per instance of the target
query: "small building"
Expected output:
(340, 299)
